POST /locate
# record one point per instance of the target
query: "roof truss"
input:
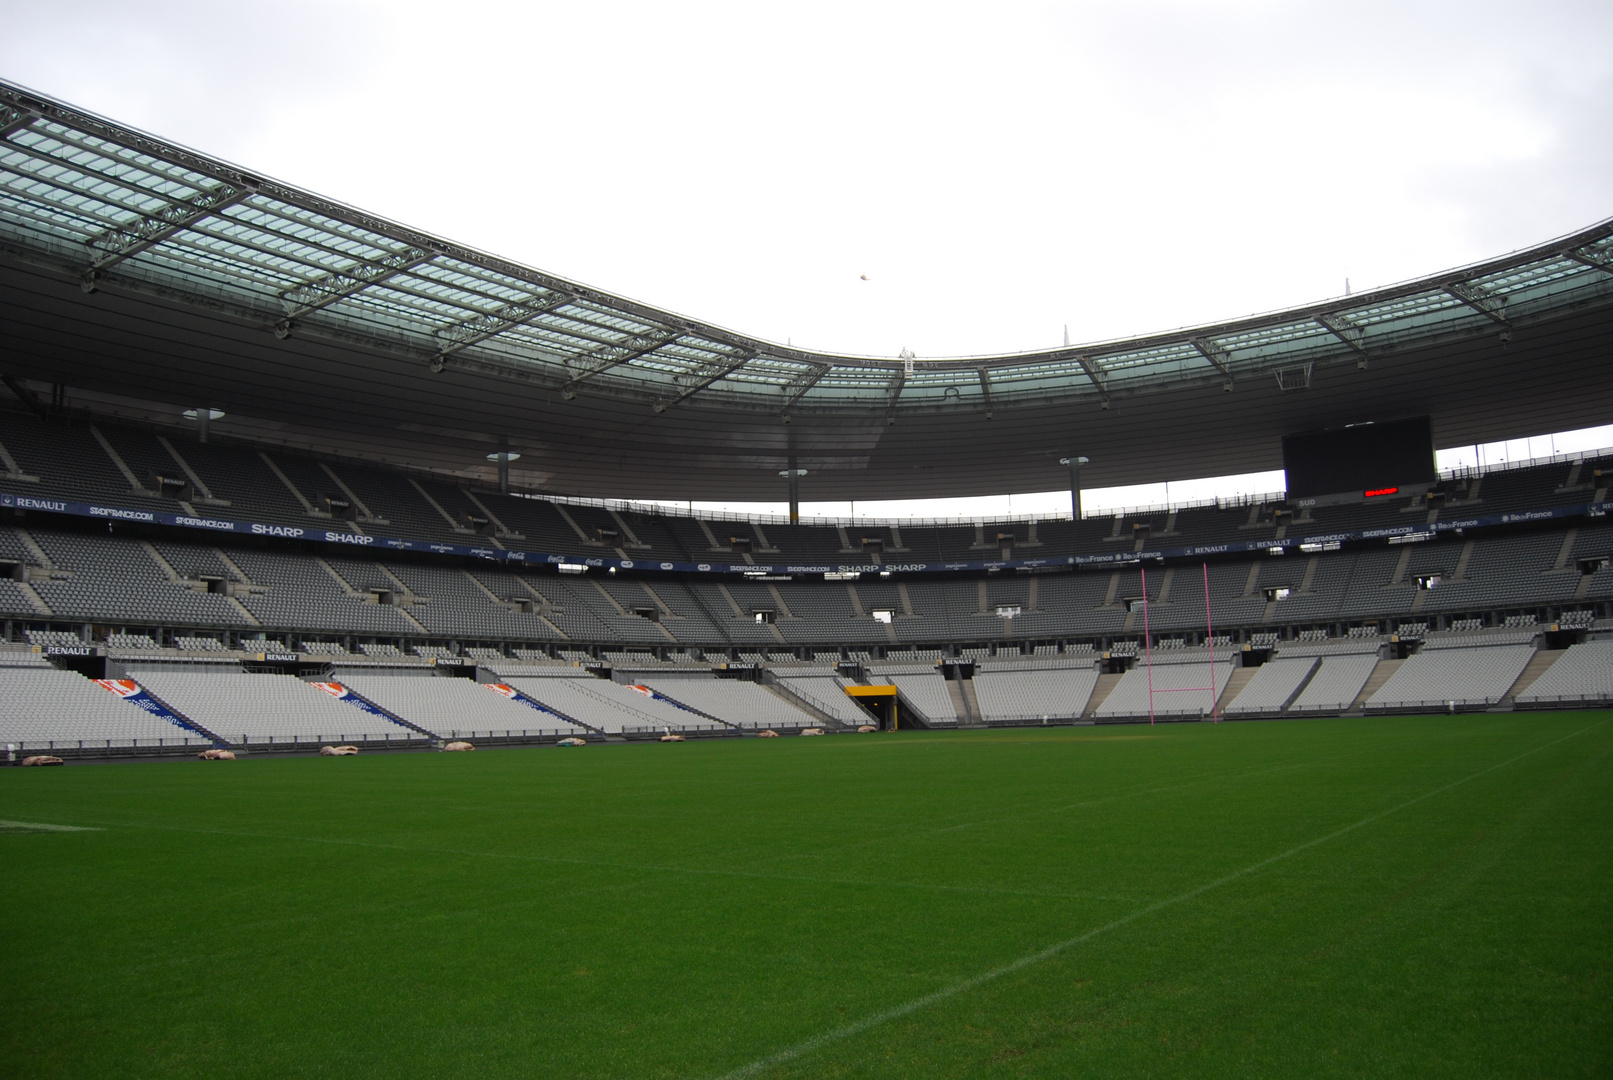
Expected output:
(311, 296)
(600, 360)
(1099, 377)
(797, 387)
(126, 241)
(267, 251)
(479, 328)
(1347, 332)
(713, 374)
(1595, 258)
(13, 118)
(1218, 357)
(1481, 300)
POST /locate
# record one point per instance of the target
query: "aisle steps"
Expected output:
(1379, 676)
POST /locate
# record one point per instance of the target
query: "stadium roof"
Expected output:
(411, 329)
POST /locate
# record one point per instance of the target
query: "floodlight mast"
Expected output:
(1075, 464)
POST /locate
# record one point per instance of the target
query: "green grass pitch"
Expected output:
(1384, 897)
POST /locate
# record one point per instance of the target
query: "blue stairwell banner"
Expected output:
(508, 691)
(135, 695)
(342, 693)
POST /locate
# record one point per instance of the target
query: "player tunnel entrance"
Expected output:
(884, 702)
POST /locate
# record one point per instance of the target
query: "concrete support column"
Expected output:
(1075, 464)
(203, 415)
(793, 475)
(502, 459)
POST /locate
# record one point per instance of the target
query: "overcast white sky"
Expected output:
(997, 171)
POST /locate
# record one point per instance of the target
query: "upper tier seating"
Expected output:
(278, 486)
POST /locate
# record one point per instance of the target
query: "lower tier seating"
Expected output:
(1475, 676)
(44, 708)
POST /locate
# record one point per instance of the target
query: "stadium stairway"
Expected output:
(967, 687)
(670, 700)
(184, 720)
(1240, 679)
(1538, 663)
(1379, 676)
(1105, 686)
(960, 704)
(218, 740)
(783, 693)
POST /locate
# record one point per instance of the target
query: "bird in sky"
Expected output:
(864, 277)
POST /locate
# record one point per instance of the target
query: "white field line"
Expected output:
(817, 1042)
(34, 826)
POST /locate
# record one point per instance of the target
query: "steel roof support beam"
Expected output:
(796, 389)
(14, 118)
(892, 394)
(129, 240)
(463, 335)
(1483, 301)
(1347, 332)
(1593, 258)
(713, 375)
(1099, 377)
(615, 356)
(1218, 357)
(319, 293)
(985, 390)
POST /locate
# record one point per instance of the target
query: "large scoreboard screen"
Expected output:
(1361, 457)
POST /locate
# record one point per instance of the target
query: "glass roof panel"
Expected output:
(71, 177)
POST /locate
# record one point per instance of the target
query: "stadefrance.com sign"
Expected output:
(353, 539)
